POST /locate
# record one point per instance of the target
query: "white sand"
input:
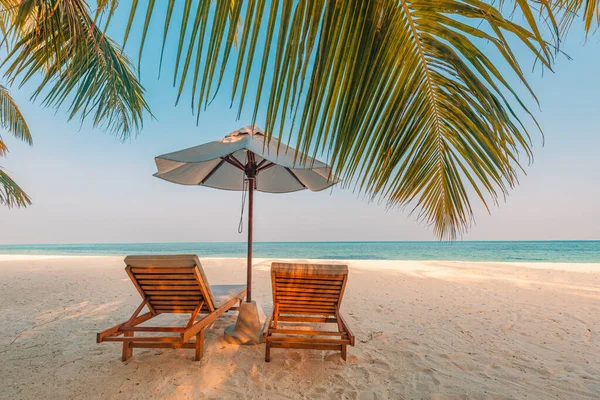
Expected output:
(424, 330)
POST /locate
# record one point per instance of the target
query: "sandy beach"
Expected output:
(424, 330)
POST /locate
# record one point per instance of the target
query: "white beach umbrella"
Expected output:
(245, 160)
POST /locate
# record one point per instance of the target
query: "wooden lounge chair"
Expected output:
(173, 284)
(307, 293)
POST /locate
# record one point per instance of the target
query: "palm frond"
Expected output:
(569, 10)
(79, 64)
(405, 97)
(12, 120)
(11, 195)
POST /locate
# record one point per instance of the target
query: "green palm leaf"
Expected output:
(399, 94)
(12, 120)
(11, 195)
(568, 10)
(79, 64)
(406, 97)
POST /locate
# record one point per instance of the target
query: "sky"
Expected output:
(88, 187)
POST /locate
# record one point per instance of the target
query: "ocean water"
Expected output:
(529, 251)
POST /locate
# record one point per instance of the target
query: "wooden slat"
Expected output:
(292, 339)
(298, 308)
(153, 293)
(173, 311)
(175, 282)
(166, 306)
(315, 301)
(283, 293)
(162, 270)
(176, 298)
(305, 286)
(152, 329)
(306, 312)
(316, 296)
(174, 302)
(165, 339)
(169, 288)
(293, 293)
(308, 281)
(306, 296)
(310, 276)
(188, 345)
(302, 282)
(306, 319)
(305, 332)
(165, 276)
(307, 306)
(331, 303)
(303, 290)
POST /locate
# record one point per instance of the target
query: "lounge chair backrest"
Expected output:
(173, 283)
(308, 288)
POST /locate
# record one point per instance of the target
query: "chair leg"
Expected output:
(127, 350)
(199, 345)
(267, 352)
(344, 352)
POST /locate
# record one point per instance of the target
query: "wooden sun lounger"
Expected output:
(307, 293)
(172, 284)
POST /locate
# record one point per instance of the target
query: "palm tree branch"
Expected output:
(11, 194)
(79, 64)
(11, 118)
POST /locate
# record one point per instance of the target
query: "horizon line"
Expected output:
(308, 242)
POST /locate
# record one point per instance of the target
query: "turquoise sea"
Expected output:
(530, 251)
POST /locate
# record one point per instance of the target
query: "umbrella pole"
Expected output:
(250, 221)
(248, 328)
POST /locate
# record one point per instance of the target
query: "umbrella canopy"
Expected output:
(225, 164)
(245, 160)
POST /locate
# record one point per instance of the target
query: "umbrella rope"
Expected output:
(244, 191)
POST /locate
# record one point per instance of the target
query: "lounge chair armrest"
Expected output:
(348, 331)
(269, 320)
(116, 330)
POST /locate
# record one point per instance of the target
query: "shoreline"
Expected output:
(592, 267)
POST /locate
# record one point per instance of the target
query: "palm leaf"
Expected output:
(568, 10)
(12, 120)
(11, 195)
(405, 97)
(78, 63)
